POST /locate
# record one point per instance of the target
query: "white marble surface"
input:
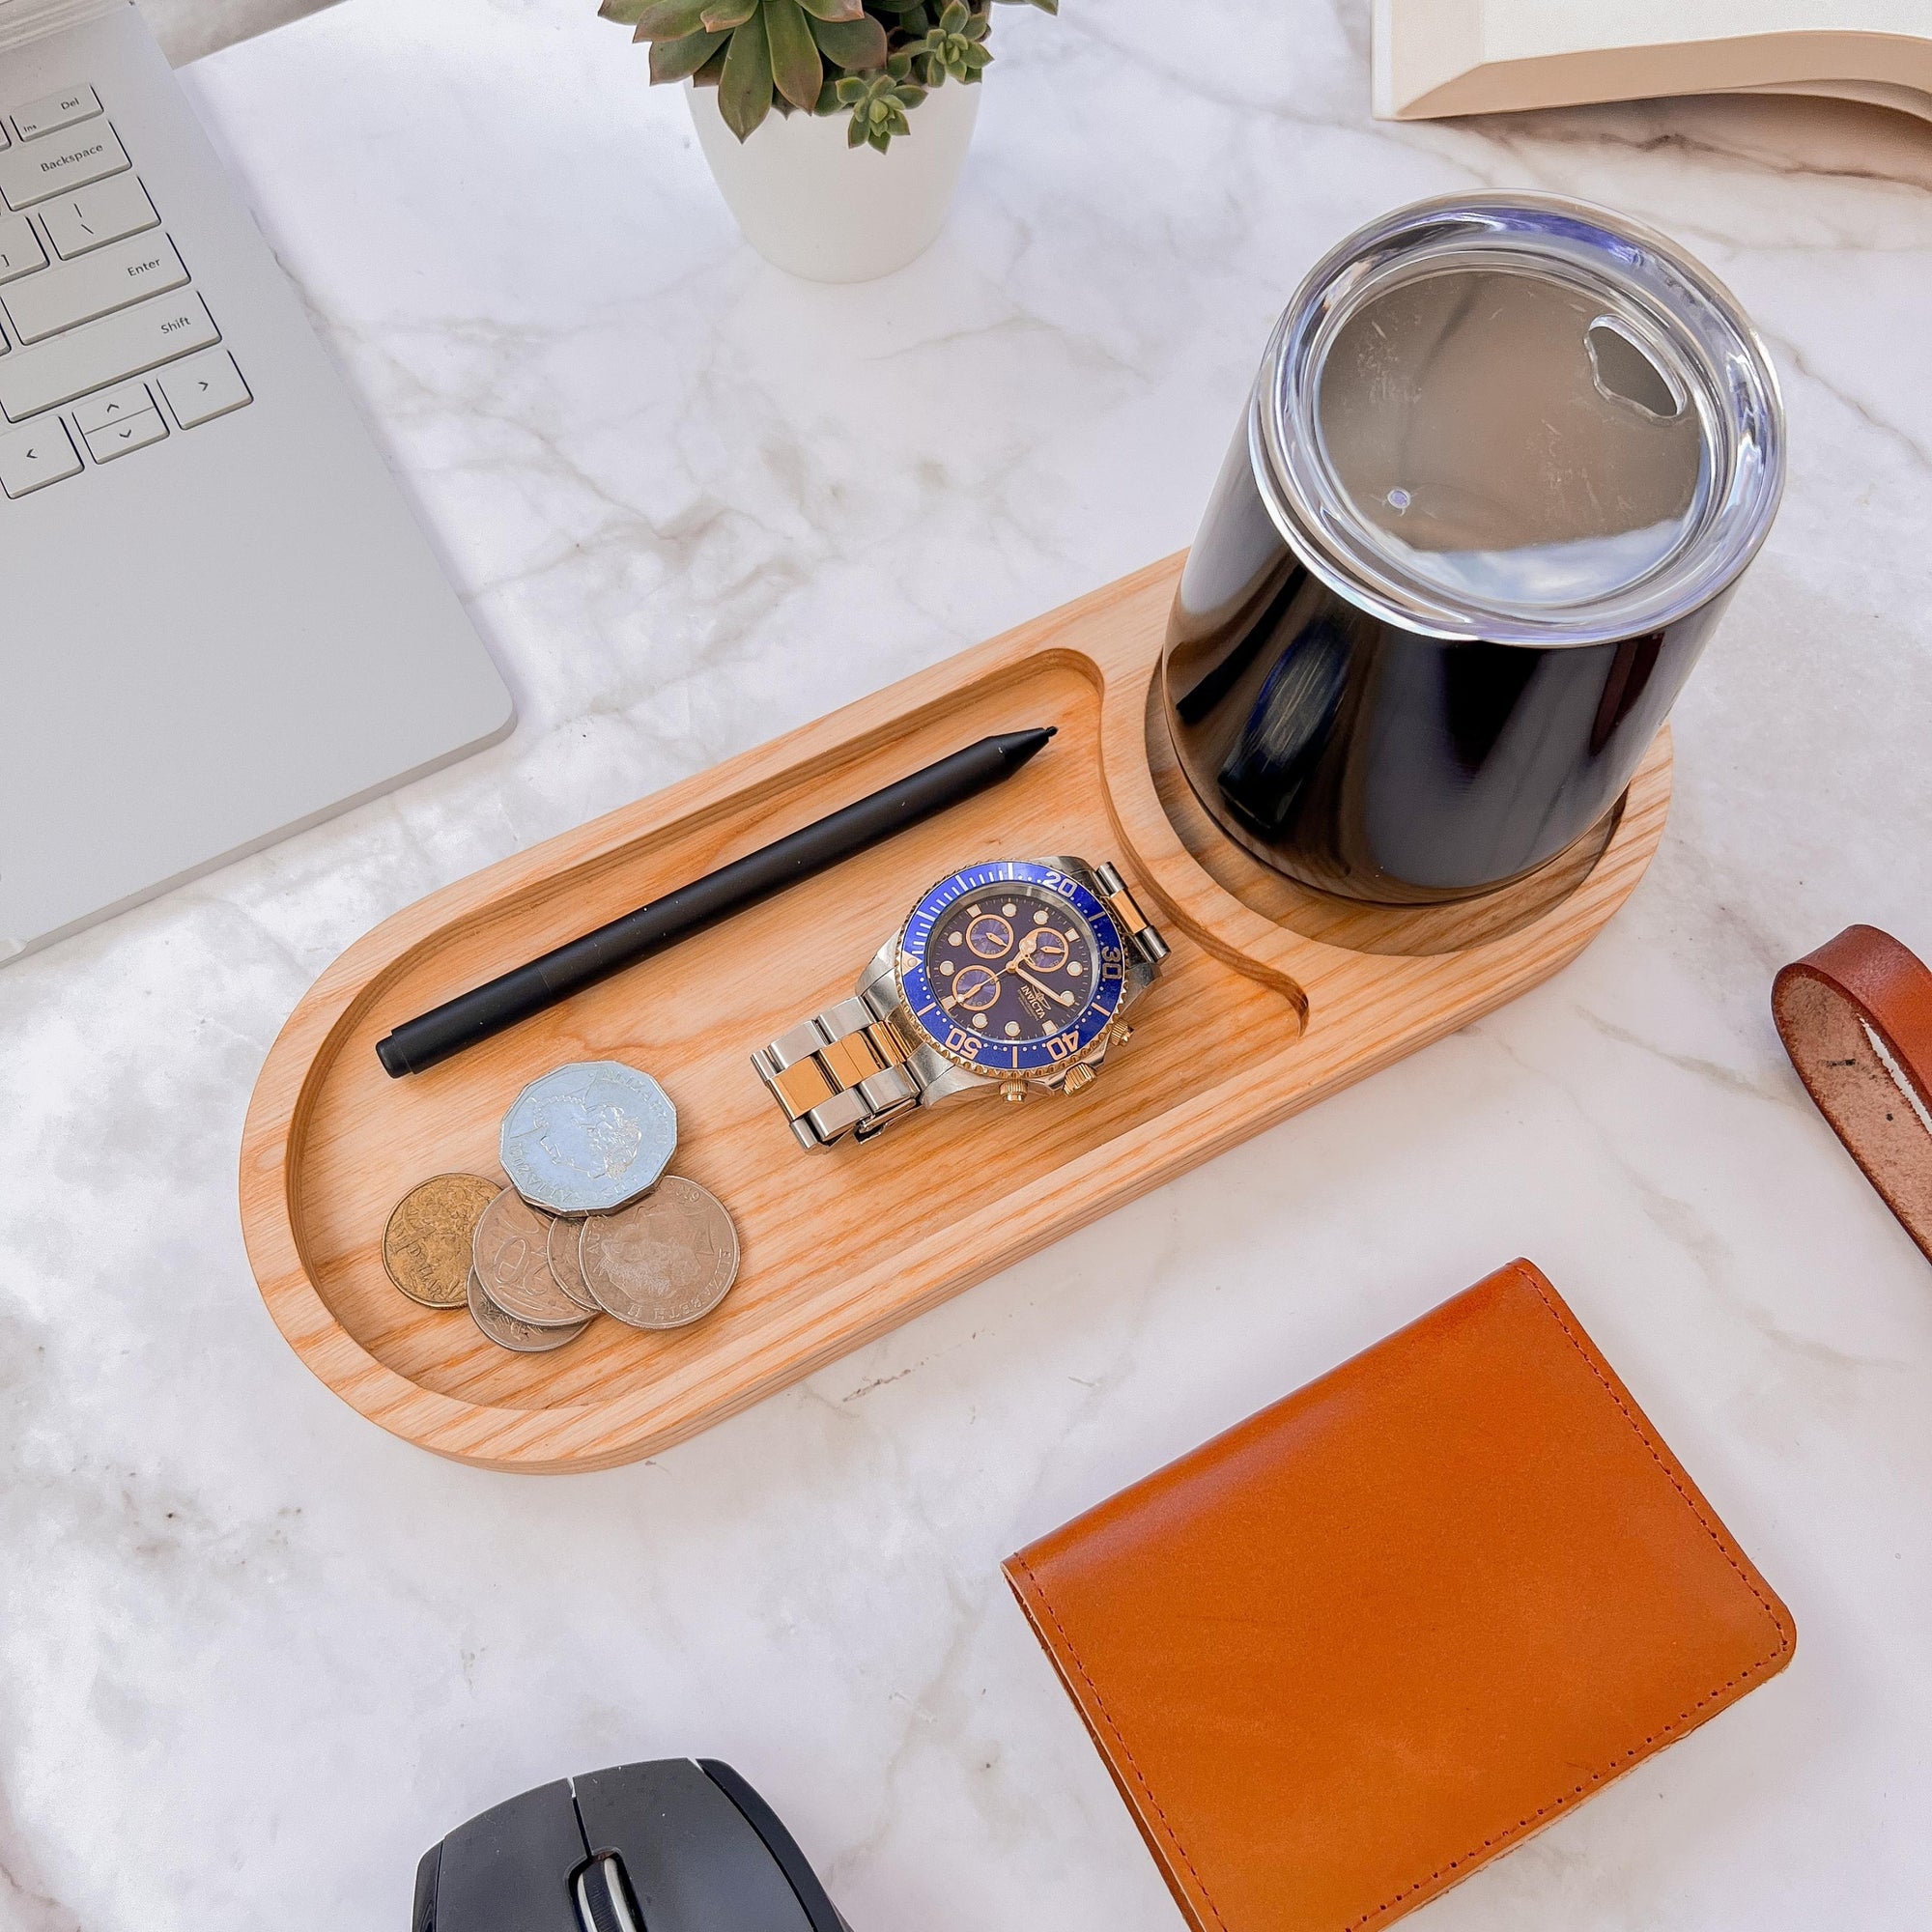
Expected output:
(255, 1656)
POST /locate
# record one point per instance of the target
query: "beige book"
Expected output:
(1438, 57)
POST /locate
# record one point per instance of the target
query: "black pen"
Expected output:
(524, 990)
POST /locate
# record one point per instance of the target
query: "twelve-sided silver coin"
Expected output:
(588, 1138)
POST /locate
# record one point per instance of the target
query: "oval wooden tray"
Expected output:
(1252, 1020)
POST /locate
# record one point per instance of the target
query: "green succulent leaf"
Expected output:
(713, 69)
(744, 89)
(674, 60)
(669, 19)
(851, 44)
(624, 12)
(722, 16)
(835, 10)
(795, 64)
(879, 104)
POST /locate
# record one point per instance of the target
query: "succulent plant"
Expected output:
(956, 45)
(872, 60)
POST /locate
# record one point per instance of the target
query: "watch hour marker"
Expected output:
(1010, 910)
(1012, 1029)
(1073, 966)
(945, 965)
(979, 1020)
(954, 939)
(1039, 919)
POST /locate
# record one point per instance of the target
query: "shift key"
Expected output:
(118, 346)
(98, 284)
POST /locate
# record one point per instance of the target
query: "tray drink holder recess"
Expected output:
(1272, 998)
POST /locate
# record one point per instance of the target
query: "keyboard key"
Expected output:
(111, 407)
(55, 111)
(110, 212)
(104, 351)
(136, 433)
(32, 457)
(21, 251)
(96, 285)
(204, 388)
(31, 172)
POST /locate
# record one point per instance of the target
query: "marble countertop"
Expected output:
(253, 1651)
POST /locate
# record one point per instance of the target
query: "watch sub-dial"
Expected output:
(990, 936)
(976, 989)
(1046, 949)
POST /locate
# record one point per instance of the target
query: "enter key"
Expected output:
(98, 284)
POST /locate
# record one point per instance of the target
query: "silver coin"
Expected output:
(567, 1265)
(588, 1138)
(667, 1260)
(510, 1255)
(523, 1338)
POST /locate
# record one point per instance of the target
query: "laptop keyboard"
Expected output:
(92, 296)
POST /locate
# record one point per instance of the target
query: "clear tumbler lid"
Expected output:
(1522, 418)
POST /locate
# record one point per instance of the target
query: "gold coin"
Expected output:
(426, 1247)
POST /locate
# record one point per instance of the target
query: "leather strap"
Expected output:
(1856, 1018)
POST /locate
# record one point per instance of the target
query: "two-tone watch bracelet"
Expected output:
(841, 1071)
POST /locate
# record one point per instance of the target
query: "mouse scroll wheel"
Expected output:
(605, 1902)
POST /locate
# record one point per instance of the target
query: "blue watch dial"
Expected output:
(1011, 967)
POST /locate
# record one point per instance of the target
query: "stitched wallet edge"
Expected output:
(1143, 1806)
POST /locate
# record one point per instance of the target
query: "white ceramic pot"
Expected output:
(832, 212)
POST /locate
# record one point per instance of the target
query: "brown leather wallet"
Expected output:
(1388, 1629)
(1856, 1018)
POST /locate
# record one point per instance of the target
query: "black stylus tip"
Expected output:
(1017, 747)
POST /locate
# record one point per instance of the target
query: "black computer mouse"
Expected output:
(678, 1845)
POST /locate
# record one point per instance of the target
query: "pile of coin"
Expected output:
(590, 1223)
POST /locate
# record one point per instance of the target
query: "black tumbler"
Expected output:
(1503, 465)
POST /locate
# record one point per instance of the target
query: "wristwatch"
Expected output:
(1007, 978)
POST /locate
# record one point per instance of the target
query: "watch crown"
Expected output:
(1013, 1090)
(1121, 1035)
(1078, 1078)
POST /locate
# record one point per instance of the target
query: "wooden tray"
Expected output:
(1252, 1020)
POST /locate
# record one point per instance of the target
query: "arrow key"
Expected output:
(132, 432)
(33, 456)
(202, 386)
(111, 407)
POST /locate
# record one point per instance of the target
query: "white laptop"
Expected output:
(218, 620)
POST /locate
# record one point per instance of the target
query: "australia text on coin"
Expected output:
(588, 1136)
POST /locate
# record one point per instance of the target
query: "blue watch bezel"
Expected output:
(998, 1056)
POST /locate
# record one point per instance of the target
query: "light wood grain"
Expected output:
(1250, 1022)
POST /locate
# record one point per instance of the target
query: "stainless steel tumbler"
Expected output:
(1503, 464)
